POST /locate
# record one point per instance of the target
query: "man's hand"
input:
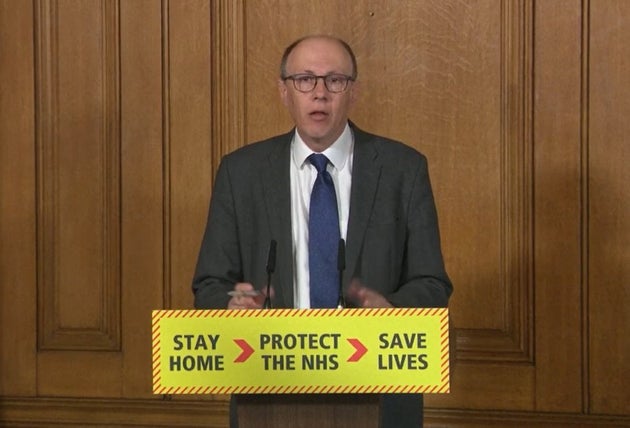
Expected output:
(245, 296)
(365, 297)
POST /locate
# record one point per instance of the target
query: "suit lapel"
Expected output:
(366, 171)
(276, 181)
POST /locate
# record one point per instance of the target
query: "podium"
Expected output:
(307, 410)
(319, 368)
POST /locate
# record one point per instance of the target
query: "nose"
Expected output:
(320, 90)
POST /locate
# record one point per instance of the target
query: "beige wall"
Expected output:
(114, 116)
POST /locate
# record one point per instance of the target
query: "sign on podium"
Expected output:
(300, 351)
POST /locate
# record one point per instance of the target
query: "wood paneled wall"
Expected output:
(113, 118)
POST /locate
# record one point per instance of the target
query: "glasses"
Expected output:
(335, 83)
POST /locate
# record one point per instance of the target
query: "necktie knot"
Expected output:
(319, 161)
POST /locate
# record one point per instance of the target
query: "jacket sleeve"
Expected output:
(219, 264)
(423, 280)
(401, 256)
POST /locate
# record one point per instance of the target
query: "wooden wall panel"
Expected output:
(608, 207)
(557, 159)
(47, 412)
(78, 152)
(188, 138)
(228, 58)
(18, 268)
(143, 190)
(78, 158)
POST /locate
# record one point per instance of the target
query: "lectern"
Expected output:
(308, 410)
(319, 368)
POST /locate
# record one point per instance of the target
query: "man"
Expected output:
(382, 202)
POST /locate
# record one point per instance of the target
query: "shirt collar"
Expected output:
(337, 153)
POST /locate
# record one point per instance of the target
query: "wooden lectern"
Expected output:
(308, 410)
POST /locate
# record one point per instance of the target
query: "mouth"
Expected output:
(318, 115)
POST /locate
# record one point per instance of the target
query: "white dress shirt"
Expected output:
(303, 175)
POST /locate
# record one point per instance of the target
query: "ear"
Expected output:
(282, 88)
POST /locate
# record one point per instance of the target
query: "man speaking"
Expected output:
(302, 193)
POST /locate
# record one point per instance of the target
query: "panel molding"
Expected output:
(228, 83)
(166, 153)
(51, 412)
(514, 342)
(48, 412)
(584, 195)
(53, 334)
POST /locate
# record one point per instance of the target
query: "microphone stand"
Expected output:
(271, 266)
(341, 266)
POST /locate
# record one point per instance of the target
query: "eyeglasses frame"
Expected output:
(293, 77)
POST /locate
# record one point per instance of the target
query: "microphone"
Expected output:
(341, 266)
(271, 266)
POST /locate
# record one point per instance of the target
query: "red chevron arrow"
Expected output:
(360, 350)
(247, 350)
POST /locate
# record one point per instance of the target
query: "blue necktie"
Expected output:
(323, 237)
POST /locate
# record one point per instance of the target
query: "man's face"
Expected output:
(320, 115)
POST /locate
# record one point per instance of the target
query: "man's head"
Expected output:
(320, 114)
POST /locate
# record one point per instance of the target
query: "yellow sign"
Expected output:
(395, 350)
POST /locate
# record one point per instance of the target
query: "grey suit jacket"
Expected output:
(392, 243)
